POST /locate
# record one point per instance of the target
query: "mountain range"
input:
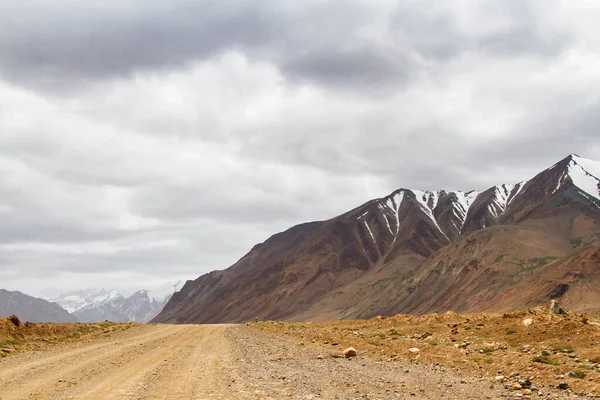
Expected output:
(93, 305)
(414, 251)
(89, 305)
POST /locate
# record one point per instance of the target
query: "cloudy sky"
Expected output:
(147, 141)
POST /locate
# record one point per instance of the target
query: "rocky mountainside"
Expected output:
(32, 309)
(93, 305)
(418, 251)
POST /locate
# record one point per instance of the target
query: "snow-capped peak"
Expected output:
(73, 301)
(503, 196)
(465, 200)
(452, 213)
(584, 173)
(99, 304)
(428, 201)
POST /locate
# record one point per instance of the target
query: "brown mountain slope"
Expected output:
(32, 309)
(500, 268)
(294, 269)
(574, 281)
(490, 269)
(412, 251)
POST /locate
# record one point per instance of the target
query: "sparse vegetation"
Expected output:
(529, 265)
(577, 374)
(12, 342)
(487, 351)
(545, 360)
(27, 336)
(563, 348)
(498, 259)
(511, 331)
(575, 243)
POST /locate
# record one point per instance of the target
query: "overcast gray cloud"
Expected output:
(142, 142)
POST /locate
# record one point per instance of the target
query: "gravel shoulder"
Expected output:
(277, 367)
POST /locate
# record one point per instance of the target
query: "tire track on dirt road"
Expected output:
(42, 375)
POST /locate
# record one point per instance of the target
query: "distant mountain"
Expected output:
(93, 305)
(79, 299)
(32, 309)
(418, 251)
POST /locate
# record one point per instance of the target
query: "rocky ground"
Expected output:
(530, 353)
(269, 366)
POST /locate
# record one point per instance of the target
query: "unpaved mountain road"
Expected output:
(219, 362)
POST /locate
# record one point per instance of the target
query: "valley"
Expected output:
(303, 200)
(415, 295)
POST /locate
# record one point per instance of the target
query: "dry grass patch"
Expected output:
(19, 337)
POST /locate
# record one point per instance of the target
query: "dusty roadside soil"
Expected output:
(217, 362)
(529, 354)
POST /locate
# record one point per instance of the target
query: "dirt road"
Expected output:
(218, 362)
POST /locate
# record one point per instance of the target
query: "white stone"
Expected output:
(350, 352)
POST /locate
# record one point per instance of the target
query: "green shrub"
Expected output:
(577, 374)
(545, 360)
(487, 351)
(563, 348)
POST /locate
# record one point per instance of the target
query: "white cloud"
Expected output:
(176, 151)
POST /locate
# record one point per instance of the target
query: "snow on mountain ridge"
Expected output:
(424, 198)
(449, 210)
(428, 201)
(584, 173)
(503, 197)
(91, 305)
(73, 301)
